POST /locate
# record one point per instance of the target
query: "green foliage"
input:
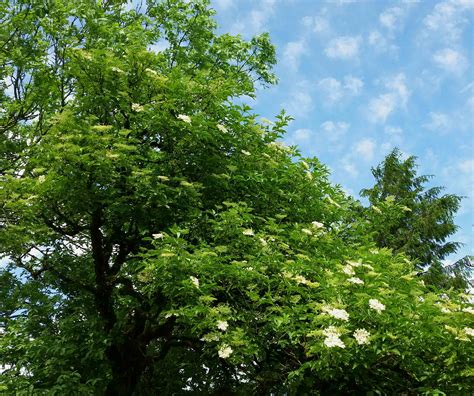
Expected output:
(424, 220)
(159, 239)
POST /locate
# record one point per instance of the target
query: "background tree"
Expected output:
(422, 227)
(159, 239)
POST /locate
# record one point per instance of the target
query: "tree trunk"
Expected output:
(127, 364)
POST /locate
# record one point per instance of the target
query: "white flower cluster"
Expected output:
(306, 231)
(184, 118)
(348, 270)
(361, 336)
(222, 128)
(222, 325)
(333, 338)
(248, 232)
(468, 310)
(376, 305)
(158, 236)
(137, 107)
(356, 280)
(336, 313)
(195, 281)
(225, 351)
(469, 331)
(317, 224)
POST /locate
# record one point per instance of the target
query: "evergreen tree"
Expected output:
(422, 227)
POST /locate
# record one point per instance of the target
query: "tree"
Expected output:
(160, 240)
(426, 220)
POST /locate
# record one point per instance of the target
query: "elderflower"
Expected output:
(195, 281)
(337, 313)
(225, 351)
(222, 128)
(376, 209)
(151, 71)
(468, 310)
(137, 107)
(353, 263)
(469, 331)
(222, 325)
(361, 336)
(301, 279)
(306, 231)
(376, 305)
(248, 232)
(158, 236)
(116, 69)
(41, 178)
(245, 152)
(348, 270)
(184, 118)
(309, 175)
(356, 280)
(332, 338)
(317, 224)
(263, 242)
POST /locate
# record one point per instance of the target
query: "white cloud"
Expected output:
(293, 52)
(395, 137)
(438, 122)
(397, 85)
(350, 168)
(353, 85)
(447, 20)
(300, 101)
(334, 131)
(224, 4)
(451, 61)
(467, 166)
(381, 44)
(380, 108)
(468, 87)
(256, 20)
(301, 135)
(365, 148)
(317, 23)
(335, 90)
(391, 18)
(344, 47)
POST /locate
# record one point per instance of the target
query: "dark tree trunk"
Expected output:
(127, 363)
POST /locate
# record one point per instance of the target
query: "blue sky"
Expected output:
(361, 77)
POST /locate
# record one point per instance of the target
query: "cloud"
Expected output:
(349, 167)
(467, 166)
(380, 108)
(451, 61)
(344, 47)
(301, 135)
(255, 21)
(391, 18)
(438, 122)
(335, 90)
(334, 131)
(224, 4)
(317, 23)
(300, 100)
(381, 45)
(447, 20)
(293, 52)
(365, 148)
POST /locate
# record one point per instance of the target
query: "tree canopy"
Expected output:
(158, 238)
